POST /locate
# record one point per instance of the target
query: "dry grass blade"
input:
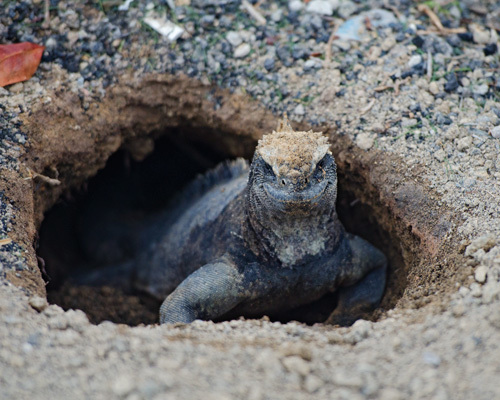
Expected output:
(424, 8)
(328, 52)
(253, 12)
(4, 242)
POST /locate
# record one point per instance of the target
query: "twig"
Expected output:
(328, 52)
(4, 242)
(43, 178)
(395, 86)
(368, 107)
(253, 12)
(46, 20)
(429, 65)
(393, 9)
(424, 8)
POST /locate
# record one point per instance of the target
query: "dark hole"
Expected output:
(126, 191)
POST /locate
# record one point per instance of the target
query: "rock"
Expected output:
(408, 122)
(490, 49)
(77, 320)
(277, 15)
(491, 292)
(345, 378)
(346, 9)
(434, 88)
(38, 303)
(312, 383)
(242, 50)
(480, 274)
(495, 132)
(431, 358)
(451, 83)
(323, 7)
(123, 385)
(480, 35)
(295, 5)
(485, 242)
(299, 110)
(234, 38)
(17, 88)
(480, 89)
(475, 290)
(365, 140)
(269, 64)
(391, 394)
(464, 143)
(296, 364)
(414, 60)
(442, 119)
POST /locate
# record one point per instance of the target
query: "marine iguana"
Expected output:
(251, 240)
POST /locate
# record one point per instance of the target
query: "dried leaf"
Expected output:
(19, 61)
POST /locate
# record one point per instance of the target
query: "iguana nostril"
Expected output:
(283, 182)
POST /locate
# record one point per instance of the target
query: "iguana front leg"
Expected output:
(207, 293)
(368, 275)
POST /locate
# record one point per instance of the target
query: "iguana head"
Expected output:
(291, 194)
(294, 172)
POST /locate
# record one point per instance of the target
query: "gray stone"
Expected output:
(38, 303)
(480, 89)
(365, 140)
(295, 5)
(495, 132)
(299, 110)
(480, 274)
(312, 383)
(323, 7)
(234, 38)
(296, 364)
(242, 50)
(414, 60)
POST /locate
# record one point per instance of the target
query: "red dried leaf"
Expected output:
(19, 61)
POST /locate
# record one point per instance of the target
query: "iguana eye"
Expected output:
(321, 163)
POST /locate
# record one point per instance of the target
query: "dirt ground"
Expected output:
(130, 124)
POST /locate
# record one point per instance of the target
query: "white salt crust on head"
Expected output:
(293, 154)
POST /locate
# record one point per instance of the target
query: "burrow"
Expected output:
(128, 153)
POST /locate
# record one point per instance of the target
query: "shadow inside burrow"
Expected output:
(116, 201)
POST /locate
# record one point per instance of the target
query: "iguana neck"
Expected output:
(291, 239)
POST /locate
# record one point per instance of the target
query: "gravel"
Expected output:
(443, 120)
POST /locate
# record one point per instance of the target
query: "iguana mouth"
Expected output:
(309, 195)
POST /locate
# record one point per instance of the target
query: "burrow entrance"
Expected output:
(126, 191)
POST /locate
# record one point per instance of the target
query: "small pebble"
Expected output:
(365, 140)
(323, 7)
(234, 38)
(295, 5)
(299, 110)
(269, 64)
(451, 83)
(480, 89)
(296, 364)
(495, 132)
(434, 88)
(481, 36)
(480, 274)
(38, 303)
(242, 50)
(490, 49)
(415, 60)
(431, 358)
(312, 383)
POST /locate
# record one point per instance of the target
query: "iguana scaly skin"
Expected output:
(250, 240)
